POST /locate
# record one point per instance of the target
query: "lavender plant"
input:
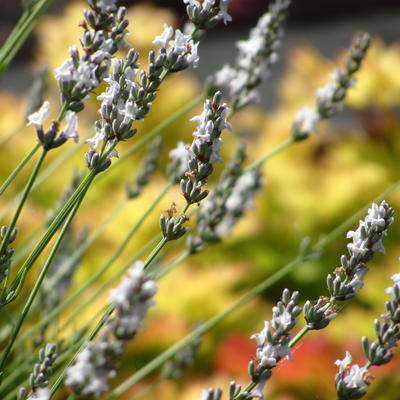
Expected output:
(92, 357)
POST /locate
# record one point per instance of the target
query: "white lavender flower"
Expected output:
(366, 240)
(97, 363)
(181, 51)
(40, 394)
(306, 120)
(178, 166)
(231, 197)
(255, 57)
(104, 33)
(91, 371)
(382, 350)
(351, 383)
(396, 282)
(240, 200)
(71, 128)
(40, 377)
(163, 39)
(347, 279)
(37, 118)
(330, 97)
(204, 150)
(206, 14)
(273, 340)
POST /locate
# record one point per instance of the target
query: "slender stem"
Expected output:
(52, 167)
(102, 270)
(275, 151)
(38, 284)
(62, 112)
(16, 286)
(18, 169)
(248, 388)
(21, 31)
(299, 336)
(155, 252)
(24, 247)
(92, 335)
(17, 213)
(107, 283)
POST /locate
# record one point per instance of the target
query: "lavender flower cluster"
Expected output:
(348, 278)
(40, 377)
(97, 363)
(104, 33)
(352, 382)
(232, 195)
(255, 57)
(330, 97)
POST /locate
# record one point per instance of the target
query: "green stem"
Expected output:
(21, 31)
(16, 286)
(38, 284)
(62, 112)
(155, 252)
(258, 163)
(92, 335)
(299, 336)
(51, 168)
(45, 321)
(18, 169)
(81, 307)
(17, 213)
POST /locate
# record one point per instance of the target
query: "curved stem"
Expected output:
(38, 284)
(18, 169)
(54, 313)
(25, 194)
(16, 286)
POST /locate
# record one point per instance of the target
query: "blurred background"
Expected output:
(310, 188)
